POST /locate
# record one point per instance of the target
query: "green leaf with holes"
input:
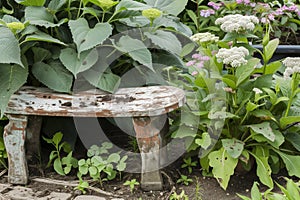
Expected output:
(264, 129)
(12, 77)
(223, 166)
(70, 60)
(263, 170)
(85, 37)
(233, 147)
(9, 48)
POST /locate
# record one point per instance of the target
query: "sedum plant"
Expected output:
(54, 43)
(242, 110)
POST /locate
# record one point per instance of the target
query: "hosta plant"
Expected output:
(54, 43)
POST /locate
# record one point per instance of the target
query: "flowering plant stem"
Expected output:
(294, 87)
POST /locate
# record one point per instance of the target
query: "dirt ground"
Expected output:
(205, 188)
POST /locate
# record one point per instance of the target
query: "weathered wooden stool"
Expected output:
(143, 104)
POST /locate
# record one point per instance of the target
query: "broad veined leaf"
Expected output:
(173, 7)
(9, 48)
(40, 54)
(12, 77)
(243, 72)
(76, 65)
(171, 21)
(53, 75)
(136, 50)
(106, 81)
(265, 129)
(263, 170)
(86, 38)
(43, 37)
(223, 166)
(58, 167)
(292, 163)
(31, 2)
(233, 147)
(40, 16)
(165, 40)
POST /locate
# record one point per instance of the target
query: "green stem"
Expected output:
(103, 15)
(78, 12)
(294, 77)
(244, 118)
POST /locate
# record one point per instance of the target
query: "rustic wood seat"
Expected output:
(27, 106)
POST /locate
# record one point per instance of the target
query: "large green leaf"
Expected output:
(53, 75)
(31, 2)
(40, 16)
(243, 72)
(173, 7)
(165, 40)
(76, 65)
(86, 38)
(263, 170)
(292, 163)
(233, 147)
(43, 37)
(223, 166)
(9, 48)
(12, 77)
(265, 129)
(270, 48)
(136, 50)
(106, 81)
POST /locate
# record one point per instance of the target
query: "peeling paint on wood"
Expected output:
(126, 102)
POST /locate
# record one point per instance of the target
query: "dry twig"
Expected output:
(70, 184)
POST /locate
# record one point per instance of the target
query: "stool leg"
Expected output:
(14, 139)
(149, 142)
(33, 130)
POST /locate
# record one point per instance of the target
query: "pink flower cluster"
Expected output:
(214, 5)
(280, 11)
(197, 62)
(207, 13)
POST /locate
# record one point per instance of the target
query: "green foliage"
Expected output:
(184, 180)
(188, 163)
(62, 165)
(100, 164)
(290, 192)
(79, 39)
(131, 183)
(181, 196)
(3, 154)
(236, 114)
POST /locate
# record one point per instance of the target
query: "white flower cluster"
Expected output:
(234, 56)
(292, 66)
(237, 23)
(204, 37)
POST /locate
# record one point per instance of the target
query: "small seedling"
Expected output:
(198, 190)
(185, 180)
(62, 165)
(181, 196)
(131, 183)
(189, 164)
